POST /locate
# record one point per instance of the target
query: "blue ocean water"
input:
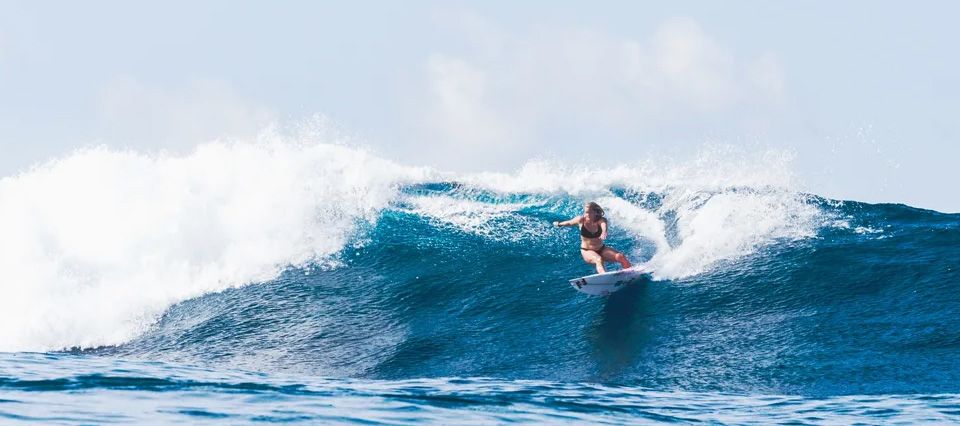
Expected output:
(290, 287)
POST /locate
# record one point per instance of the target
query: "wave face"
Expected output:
(325, 260)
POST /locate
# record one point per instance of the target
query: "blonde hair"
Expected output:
(594, 207)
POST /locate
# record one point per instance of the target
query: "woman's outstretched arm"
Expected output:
(572, 222)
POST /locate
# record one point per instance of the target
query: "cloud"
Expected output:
(135, 114)
(557, 86)
(464, 111)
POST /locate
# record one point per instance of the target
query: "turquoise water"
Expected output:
(426, 299)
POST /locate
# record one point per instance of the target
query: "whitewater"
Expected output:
(290, 279)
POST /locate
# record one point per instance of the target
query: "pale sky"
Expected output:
(866, 94)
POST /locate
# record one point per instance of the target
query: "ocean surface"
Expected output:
(302, 282)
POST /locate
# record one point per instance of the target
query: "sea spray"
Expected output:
(99, 243)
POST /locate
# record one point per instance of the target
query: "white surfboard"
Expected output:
(607, 283)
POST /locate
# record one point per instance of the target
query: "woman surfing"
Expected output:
(593, 230)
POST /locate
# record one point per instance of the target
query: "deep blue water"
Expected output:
(451, 305)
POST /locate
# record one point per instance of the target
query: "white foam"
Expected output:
(724, 204)
(99, 243)
(729, 225)
(867, 230)
(466, 215)
(479, 218)
(640, 223)
(96, 245)
(714, 168)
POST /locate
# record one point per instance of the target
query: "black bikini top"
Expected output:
(585, 233)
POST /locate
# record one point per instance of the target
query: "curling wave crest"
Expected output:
(98, 244)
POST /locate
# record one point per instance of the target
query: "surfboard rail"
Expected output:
(607, 283)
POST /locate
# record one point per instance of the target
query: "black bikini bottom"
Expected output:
(598, 251)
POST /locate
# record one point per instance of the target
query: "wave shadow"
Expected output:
(622, 331)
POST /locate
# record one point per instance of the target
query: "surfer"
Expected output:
(593, 230)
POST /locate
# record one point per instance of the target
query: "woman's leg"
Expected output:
(612, 255)
(591, 256)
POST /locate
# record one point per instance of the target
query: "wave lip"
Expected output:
(98, 244)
